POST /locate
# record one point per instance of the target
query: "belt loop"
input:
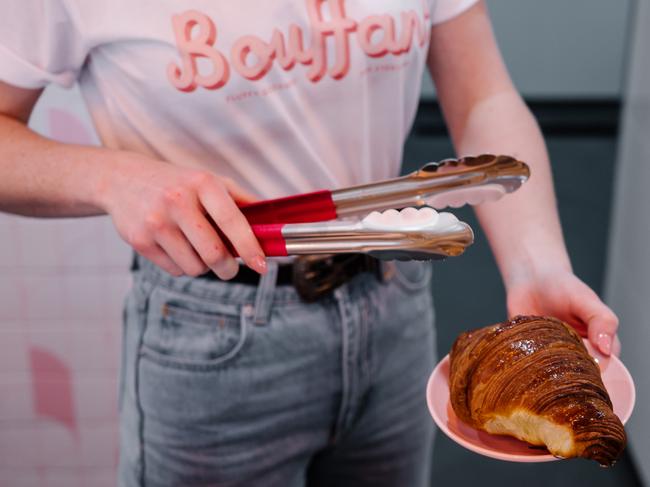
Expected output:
(264, 296)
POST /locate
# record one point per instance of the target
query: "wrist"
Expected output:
(532, 258)
(109, 177)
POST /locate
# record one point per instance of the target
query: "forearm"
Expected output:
(523, 228)
(165, 212)
(484, 113)
(45, 178)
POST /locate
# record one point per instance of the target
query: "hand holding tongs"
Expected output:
(288, 226)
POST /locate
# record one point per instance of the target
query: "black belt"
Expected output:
(313, 276)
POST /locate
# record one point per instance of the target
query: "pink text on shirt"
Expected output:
(196, 37)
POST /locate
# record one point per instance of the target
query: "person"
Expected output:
(229, 378)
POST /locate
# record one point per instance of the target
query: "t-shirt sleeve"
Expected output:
(444, 10)
(40, 43)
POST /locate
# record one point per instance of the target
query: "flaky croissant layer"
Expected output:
(532, 378)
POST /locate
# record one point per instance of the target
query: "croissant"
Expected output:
(532, 378)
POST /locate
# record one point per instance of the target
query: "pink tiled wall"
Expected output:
(62, 283)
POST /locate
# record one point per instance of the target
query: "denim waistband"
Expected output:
(262, 297)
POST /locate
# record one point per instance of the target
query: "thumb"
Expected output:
(601, 321)
(602, 331)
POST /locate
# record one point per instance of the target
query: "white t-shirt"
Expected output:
(283, 96)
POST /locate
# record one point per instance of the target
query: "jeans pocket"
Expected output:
(191, 333)
(412, 276)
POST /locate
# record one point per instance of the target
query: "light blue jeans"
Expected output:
(235, 385)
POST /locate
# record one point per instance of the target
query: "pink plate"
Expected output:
(616, 378)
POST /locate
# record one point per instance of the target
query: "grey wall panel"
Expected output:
(560, 48)
(628, 282)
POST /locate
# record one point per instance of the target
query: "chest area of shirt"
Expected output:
(213, 44)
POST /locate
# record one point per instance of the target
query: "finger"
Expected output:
(174, 243)
(160, 258)
(144, 245)
(601, 322)
(239, 194)
(233, 224)
(207, 244)
(578, 325)
(601, 335)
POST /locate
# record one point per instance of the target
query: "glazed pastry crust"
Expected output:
(532, 378)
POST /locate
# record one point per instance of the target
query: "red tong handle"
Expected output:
(301, 208)
(270, 239)
(269, 216)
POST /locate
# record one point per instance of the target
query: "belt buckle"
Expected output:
(386, 271)
(315, 276)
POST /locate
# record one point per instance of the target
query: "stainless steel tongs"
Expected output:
(301, 224)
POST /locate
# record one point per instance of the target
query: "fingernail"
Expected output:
(605, 343)
(259, 264)
(227, 269)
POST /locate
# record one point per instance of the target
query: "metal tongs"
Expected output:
(301, 224)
